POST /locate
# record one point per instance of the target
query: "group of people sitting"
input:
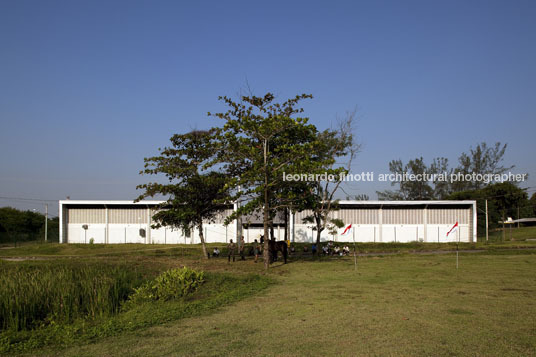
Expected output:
(331, 249)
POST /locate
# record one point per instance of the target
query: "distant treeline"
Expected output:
(504, 200)
(21, 226)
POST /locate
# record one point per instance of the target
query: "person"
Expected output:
(256, 249)
(313, 249)
(216, 252)
(231, 247)
(346, 250)
(242, 248)
(330, 248)
(325, 250)
(336, 250)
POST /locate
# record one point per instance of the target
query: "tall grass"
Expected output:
(32, 295)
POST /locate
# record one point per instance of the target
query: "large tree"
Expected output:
(194, 195)
(265, 140)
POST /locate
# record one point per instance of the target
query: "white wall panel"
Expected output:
(363, 233)
(77, 234)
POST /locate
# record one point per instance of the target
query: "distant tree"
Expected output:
(409, 190)
(20, 225)
(483, 159)
(508, 200)
(359, 197)
(504, 200)
(442, 188)
(193, 194)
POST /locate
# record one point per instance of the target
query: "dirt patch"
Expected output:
(21, 259)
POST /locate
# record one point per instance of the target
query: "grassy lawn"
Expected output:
(394, 305)
(48, 250)
(518, 234)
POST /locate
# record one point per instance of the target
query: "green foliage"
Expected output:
(262, 140)
(39, 294)
(17, 226)
(195, 195)
(172, 284)
(481, 160)
(411, 190)
(334, 225)
(504, 200)
(217, 291)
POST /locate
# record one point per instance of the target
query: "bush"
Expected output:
(172, 284)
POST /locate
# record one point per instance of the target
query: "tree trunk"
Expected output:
(318, 233)
(265, 251)
(319, 229)
(202, 239)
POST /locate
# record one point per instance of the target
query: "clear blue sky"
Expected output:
(90, 88)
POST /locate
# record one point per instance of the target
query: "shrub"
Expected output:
(172, 284)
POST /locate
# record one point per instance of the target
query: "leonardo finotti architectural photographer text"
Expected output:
(404, 177)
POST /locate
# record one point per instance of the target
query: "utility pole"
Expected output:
(503, 230)
(486, 221)
(46, 221)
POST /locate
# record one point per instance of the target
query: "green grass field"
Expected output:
(397, 305)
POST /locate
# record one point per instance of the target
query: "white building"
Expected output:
(372, 221)
(129, 222)
(397, 221)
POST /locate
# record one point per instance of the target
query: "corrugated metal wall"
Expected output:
(121, 215)
(299, 216)
(358, 215)
(127, 215)
(86, 215)
(395, 215)
(403, 216)
(449, 215)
